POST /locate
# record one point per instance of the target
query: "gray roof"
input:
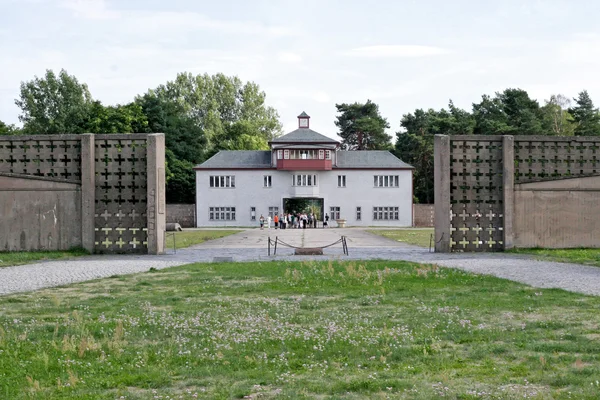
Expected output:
(238, 159)
(303, 115)
(304, 135)
(369, 159)
(304, 146)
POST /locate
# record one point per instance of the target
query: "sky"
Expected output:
(308, 55)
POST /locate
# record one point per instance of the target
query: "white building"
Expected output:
(304, 170)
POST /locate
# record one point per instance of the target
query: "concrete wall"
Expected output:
(557, 214)
(184, 214)
(39, 214)
(423, 215)
(359, 192)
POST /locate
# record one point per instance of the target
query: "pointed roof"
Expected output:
(304, 135)
(303, 115)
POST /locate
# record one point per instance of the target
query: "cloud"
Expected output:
(396, 51)
(321, 97)
(90, 9)
(289, 58)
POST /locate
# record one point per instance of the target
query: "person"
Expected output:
(276, 220)
(262, 222)
(326, 223)
(269, 221)
(315, 221)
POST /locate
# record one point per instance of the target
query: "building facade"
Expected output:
(304, 172)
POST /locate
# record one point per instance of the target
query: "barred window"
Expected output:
(386, 213)
(221, 213)
(267, 181)
(226, 181)
(341, 180)
(304, 180)
(273, 211)
(358, 213)
(334, 212)
(385, 181)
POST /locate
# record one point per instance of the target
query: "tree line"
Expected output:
(203, 114)
(199, 115)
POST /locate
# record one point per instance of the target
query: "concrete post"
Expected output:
(88, 192)
(441, 157)
(508, 187)
(156, 193)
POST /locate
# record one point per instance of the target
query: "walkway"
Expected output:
(251, 245)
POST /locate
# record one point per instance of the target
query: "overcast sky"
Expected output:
(308, 55)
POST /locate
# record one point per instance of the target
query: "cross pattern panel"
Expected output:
(121, 196)
(55, 158)
(476, 195)
(537, 160)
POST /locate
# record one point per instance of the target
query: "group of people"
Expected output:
(290, 220)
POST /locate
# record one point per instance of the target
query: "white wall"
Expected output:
(359, 192)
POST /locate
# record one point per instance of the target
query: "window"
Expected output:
(279, 154)
(252, 213)
(304, 180)
(385, 213)
(334, 212)
(221, 213)
(358, 213)
(227, 181)
(267, 181)
(385, 180)
(273, 211)
(341, 180)
(328, 154)
(286, 154)
(321, 154)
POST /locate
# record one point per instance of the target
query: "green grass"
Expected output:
(193, 237)
(577, 256)
(26, 257)
(371, 330)
(418, 237)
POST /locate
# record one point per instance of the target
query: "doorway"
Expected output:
(305, 205)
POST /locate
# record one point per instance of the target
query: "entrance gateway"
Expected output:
(305, 205)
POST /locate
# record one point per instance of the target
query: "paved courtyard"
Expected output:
(251, 245)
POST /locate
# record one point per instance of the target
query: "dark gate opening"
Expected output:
(305, 205)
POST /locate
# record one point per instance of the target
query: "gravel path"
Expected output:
(524, 269)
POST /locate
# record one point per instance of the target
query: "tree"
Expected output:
(8, 129)
(556, 120)
(585, 115)
(54, 104)
(129, 118)
(362, 127)
(181, 180)
(510, 112)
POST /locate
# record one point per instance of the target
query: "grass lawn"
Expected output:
(373, 330)
(418, 237)
(577, 256)
(192, 237)
(26, 257)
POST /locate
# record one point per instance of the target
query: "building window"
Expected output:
(385, 180)
(273, 211)
(385, 214)
(279, 154)
(252, 213)
(267, 181)
(341, 180)
(328, 154)
(221, 213)
(358, 213)
(321, 154)
(334, 212)
(304, 180)
(227, 181)
(286, 154)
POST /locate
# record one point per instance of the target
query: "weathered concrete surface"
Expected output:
(558, 214)
(442, 193)
(423, 215)
(39, 213)
(156, 193)
(183, 214)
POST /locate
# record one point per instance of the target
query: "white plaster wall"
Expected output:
(359, 192)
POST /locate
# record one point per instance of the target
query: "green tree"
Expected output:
(181, 180)
(362, 127)
(510, 112)
(556, 120)
(8, 129)
(129, 118)
(54, 104)
(585, 115)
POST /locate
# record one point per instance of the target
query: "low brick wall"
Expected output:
(423, 215)
(184, 214)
